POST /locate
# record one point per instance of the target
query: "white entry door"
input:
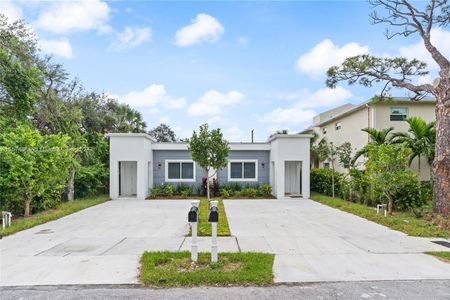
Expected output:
(128, 178)
(292, 171)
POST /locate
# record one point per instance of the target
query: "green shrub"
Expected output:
(321, 182)
(265, 189)
(409, 196)
(237, 194)
(154, 192)
(168, 190)
(225, 193)
(250, 192)
(186, 192)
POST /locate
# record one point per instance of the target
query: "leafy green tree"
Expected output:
(210, 150)
(387, 170)
(163, 133)
(420, 138)
(20, 77)
(33, 165)
(405, 18)
(377, 138)
(344, 154)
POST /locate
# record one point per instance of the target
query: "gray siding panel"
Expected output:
(260, 155)
(160, 157)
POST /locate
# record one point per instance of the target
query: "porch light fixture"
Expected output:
(263, 163)
(159, 166)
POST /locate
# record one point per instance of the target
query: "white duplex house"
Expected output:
(137, 163)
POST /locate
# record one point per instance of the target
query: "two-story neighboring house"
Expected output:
(344, 124)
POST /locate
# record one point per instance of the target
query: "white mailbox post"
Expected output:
(6, 219)
(193, 220)
(213, 218)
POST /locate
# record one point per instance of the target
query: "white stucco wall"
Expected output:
(289, 148)
(139, 148)
(130, 147)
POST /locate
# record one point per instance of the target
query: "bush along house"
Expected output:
(137, 163)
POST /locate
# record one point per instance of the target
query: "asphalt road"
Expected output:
(410, 290)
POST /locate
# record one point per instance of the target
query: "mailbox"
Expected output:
(193, 214)
(213, 214)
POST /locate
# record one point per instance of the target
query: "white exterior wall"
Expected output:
(289, 148)
(139, 148)
(130, 147)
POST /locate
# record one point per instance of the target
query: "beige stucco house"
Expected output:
(344, 124)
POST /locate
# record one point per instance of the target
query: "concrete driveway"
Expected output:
(98, 245)
(313, 242)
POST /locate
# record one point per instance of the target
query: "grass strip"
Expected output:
(402, 221)
(63, 209)
(204, 228)
(442, 255)
(171, 269)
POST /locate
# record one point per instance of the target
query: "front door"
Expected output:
(128, 179)
(292, 171)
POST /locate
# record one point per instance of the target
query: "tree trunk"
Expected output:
(420, 173)
(26, 207)
(207, 185)
(71, 183)
(441, 163)
(390, 203)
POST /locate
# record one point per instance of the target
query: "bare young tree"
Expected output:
(405, 19)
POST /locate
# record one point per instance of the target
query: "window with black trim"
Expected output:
(245, 170)
(180, 171)
(398, 113)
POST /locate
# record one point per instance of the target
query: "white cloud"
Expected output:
(203, 28)
(176, 103)
(242, 41)
(130, 38)
(212, 102)
(69, 16)
(164, 120)
(151, 96)
(234, 134)
(59, 47)
(302, 110)
(293, 115)
(326, 54)
(10, 10)
(440, 39)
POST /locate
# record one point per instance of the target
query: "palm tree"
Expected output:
(377, 137)
(420, 138)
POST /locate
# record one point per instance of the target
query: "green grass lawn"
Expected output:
(63, 209)
(168, 269)
(204, 228)
(402, 221)
(445, 256)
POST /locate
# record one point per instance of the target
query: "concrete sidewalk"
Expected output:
(313, 242)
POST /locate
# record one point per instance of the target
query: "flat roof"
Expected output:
(364, 104)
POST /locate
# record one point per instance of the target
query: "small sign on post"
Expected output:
(193, 220)
(382, 207)
(213, 218)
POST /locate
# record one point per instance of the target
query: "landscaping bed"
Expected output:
(402, 221)
(169, 269)
(234, 190)
(63, 209)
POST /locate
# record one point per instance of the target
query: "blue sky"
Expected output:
(236, 65)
